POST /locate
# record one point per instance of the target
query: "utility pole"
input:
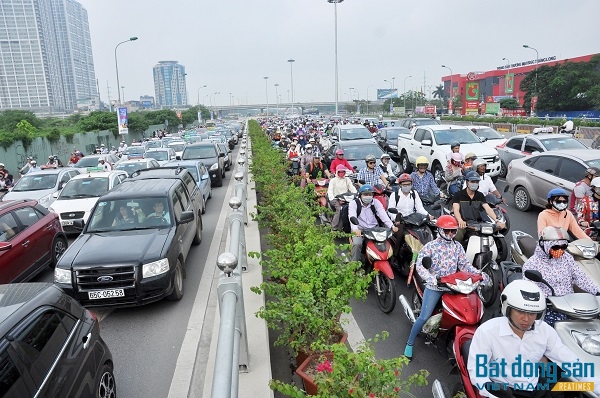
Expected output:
(108, 90)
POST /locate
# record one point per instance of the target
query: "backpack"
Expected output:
(412, 195)
(344, 216)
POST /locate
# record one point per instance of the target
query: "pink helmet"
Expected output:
(340, 167)
(339, 152)
(457, 157)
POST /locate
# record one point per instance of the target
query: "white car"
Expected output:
(488, 136)
(133, 165)
(81, 193)
(161, 155)
(177, 146)
(41, 185)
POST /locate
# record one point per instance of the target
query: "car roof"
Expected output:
(129, 161)
(351, 126)
(99, 174)
(544, 136)
(16, 203)
(23, 298)
(362, 142)
(166, 171)
(133, 187)
(584, 155)
(201, 143)
(57, 170)
(162, 149)
(394, 128)
(444, 127)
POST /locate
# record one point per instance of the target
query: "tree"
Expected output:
(25, 132)
(137, 122)
(440, 92)
(159, 117)
(98, 121)
(11, 117)
(509, 103)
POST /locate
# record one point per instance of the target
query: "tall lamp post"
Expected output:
(368, 97)
(537, 56)
(385, 80)
(267, 93)
(199, 93)
(451, 82)
(277, 98)
(117, 64)
(508, 62)
(291, 61)
(335, 3)
(404, 93)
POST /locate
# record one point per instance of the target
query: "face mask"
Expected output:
(449, 235)
(405, 188)
(309, 151)
(366, 199)
(559, 206)
(473, 186)
(556, 253)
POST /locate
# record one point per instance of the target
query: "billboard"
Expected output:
(509, 83)
(385, 93)
(430, 109)
(123, 122)
(147, 104)
(472, 91)
(492, 108)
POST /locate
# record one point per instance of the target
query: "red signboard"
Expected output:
(430, 109)
(472, 105)
(514, 112)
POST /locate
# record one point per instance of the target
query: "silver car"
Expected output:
(530, 179)
(524, 145)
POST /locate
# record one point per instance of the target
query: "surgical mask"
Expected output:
(405, 188)
(473, 186)
(447, 234)
(560, 206)
(309, 151)
(556, 253)
(366, 199)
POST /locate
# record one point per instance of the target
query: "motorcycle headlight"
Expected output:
(588, 251)
(155, 268)
(487, 229)
(590, 343)
(62, 276)
(380, 236)
(214, 166)
(464, 287)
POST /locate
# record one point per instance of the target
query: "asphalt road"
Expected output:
(372, 321)
(146, 341)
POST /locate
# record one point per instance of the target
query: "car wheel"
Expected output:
(503, 169)
(522, 199)
(219, 183)
(58, 248)
(210, 193)
(405, 163)
(438, 173)
(228, 166)
(198, 236)
(107, 387)
(177, 292)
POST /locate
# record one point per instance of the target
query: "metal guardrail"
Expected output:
(232, 347)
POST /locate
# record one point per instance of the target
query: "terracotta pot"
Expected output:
(302, 355)
(307, 368)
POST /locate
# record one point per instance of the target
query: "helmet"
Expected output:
(370, 158)
(595, 182)
(447, 222)
(556, 192)
(1, 164)
(339, 152)
(553, 233)
(592, 170)
(479, 162)
(365, 189)
(404, 178)
(523, 295)
(454, 144)
(101, 160)
(457, 157)
(384, 155)
(421, 160)
(34, 161)
(340, 167)
(312, 139)
(51, 157)
(308, 146)
(472, 176)
(470, 155)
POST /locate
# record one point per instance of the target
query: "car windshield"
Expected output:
(201, 152)
(360, 152)
(354, 134)
(136, 150)
(554, 144)
(394, 133)
(90, 187)
(446, 137)
(130, 168)
(488, 133)
(130, 214)
(193, 171)
(426, 122)
(88, 162)
(153, 144)
(177, 147)
(35, 182)
(158, 155)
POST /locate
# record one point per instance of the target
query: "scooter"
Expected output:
(461, 306)
(434, 204)
(501, 214)
(294, 169)
(321, 185)
(378, 251)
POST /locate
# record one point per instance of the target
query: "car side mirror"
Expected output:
(205, 177)
(221, 155)
(426, 142)
(55, 195)
(186, 217)
(178, 157)
(78, 224)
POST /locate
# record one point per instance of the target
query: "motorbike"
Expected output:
(378, 251)
(294, 169)
(434, 204)
(461, 307)
(500, 212)
(321, 185)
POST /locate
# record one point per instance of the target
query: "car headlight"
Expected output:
(214, 166)
(393, 146)
(62, 276)
(46, 200)
(155, 268)
(496, 158)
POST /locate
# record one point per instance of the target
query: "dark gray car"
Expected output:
(209, 153)
(387, 138)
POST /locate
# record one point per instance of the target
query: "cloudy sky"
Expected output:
(230, 45)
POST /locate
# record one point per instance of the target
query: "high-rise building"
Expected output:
(169, 84)
(46, 62)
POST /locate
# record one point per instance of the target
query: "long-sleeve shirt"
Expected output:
(446, 257)
(367, 219)
(407, 203)
(587, 210)
(451, 173)
(425, 183)
(494, 340)
(337, 161)
(338, 186)
(371, 177)
(564, 219)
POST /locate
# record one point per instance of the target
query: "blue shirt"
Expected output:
(370, 177)
(424, 184)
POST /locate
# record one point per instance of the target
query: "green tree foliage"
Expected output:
(10, 118)
(509, 103)
(53, 135)
(440, 92)
(137, 121)
(25, 132)
(159, 117)
(98, 121)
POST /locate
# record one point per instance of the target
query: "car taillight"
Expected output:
(95, 318)
(501, 145)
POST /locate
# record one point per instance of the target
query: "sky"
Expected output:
(231, 45)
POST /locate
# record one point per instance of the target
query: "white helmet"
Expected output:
(308, 146)
(478, 162)
(554, 233)
(595, 182)
(523, 295)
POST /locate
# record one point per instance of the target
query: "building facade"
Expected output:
(169, 84)
(46, 62)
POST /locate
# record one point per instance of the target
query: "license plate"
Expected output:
(67, 222)
(102, 294)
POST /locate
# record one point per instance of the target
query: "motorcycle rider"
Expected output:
(468, 163)
(371, 210)
(518, 334)
(447, 255)
(292, 153)
(468, 203)
(582, 188)
(587, 209)
(558, 268)
(567, 126)
(307, 157)
(454, 148)
(486, 185)
(339, 160)
(33, 167)
(338, 185)
(315, 170)
(372, 175)
(423, 181)
(386, 167)
(557, 215)
(454, 174)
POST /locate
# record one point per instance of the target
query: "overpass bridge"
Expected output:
(285, 108)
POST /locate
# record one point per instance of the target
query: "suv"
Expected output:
(211, 156)
(134, 247)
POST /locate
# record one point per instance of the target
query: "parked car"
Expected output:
(161, 155)
(133, 250)
(199, 173)
(131, 166)
(209, 154)
(228, 161)
(530, 179)
(356, 152)
(51, 345)
(133, 152)
(523, 145)
(41, 185)
(387, 138)
(488, 135)
(93, 160)
(152, 143)
(81, 193)
(31, 239)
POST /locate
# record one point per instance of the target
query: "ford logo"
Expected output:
(105, 278)
(72, 215)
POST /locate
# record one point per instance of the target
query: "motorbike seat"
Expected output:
(527, 245)
(464, 350)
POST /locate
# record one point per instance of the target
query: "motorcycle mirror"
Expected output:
(506, 188)
(536, 276)
(426, 262)
(354, 220)
(361, 182)
(393, 210)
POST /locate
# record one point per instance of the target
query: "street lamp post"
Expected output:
(291, 61)
(508, 62)
(537, 57)
(123, 89)
(267, 93)
(117, 64)
(451, 83)
(404, 93)
(335, 3)
(385, 80)
(230, 100)
(277, 98)
(199, 93)
(393, 83)
(368, 97)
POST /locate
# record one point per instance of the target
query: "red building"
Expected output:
(481, 89)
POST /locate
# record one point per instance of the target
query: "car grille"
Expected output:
(489, 159)
(122, 277)
(71, 215)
